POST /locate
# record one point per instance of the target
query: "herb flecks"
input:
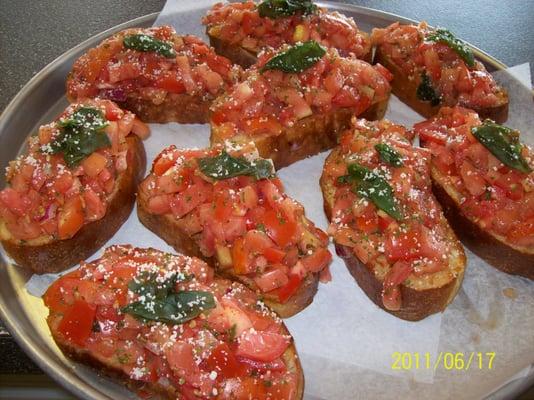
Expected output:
(224, 166)
(284, 8)
(426, 92)
(503, 143)
(297, 58)
(159, 301)
(146, 43)
(372, 186)
(80, 135)
(445, 36)
(389, 155)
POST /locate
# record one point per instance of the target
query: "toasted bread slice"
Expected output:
(239, 33)
(452, 75)
(421, 295)
(406, 90)
(479, 234)
(49, 255)
(192, 234)
(169, 342)
(309, 136)
(291, 116)
(174, 86)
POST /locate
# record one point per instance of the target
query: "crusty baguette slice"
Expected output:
(57, 255)
(422, 296)
(309, 136)
(406, 90)
(509, 258)
(110, 363)
(243, 57)
(170, 230)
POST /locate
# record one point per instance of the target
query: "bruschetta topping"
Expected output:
(444, 66)
(275, 23)
(490, 169)
(269, 99)
(150, 63)
(164, 319)
(234, 207)
(65, 178)
(383, 210)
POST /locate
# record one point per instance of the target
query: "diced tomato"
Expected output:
(184, 202)
(261, 346)
(383, 71)
(271, 280)
(318, 260)
(273, 255)
(63, 182)
(180, 359)
(290, 288)
(70, 217)
(474, 182)
(279, 228)
(259, 125)
(171, 83)
(240, 257)
(77, 322)
(165, 160)
(510, 182)
(223, 361)
(94, 164)
(95, 208)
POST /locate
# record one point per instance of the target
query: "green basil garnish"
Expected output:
(146, 43)
(297, 58)
(158, 301)
(389, 155)
(503, 143)
(284, 8)
(444, 36)
(372, 186)
(80, 135)
(426, 92)
(225, 166)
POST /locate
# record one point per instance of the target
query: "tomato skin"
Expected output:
(223, 361)
(170, 84)
(261, 346)
(70, 218)
(279, 228)
(290, 288)
(318, 260)
(274, 255)
(77, 322)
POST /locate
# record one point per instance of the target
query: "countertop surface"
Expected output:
(33, 33)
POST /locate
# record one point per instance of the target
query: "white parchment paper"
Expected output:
(345, 342)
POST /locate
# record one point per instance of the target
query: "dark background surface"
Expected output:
(33, 33)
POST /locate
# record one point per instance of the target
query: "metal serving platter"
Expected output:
(43, 98)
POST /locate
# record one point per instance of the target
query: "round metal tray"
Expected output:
(41, 99)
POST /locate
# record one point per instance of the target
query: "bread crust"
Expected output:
(491, 248)
(309, 136)
(168, 228)
(406, 90)
(246, 58)
(58, 255)
(416, 304)
(290, 358)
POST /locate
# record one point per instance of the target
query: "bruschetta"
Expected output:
(483, 176)
(387, 225)
(226, 206)
(155, 73)
(164, 325)
(295, 102)
(239, 31)
(73, 187)
(432, 68)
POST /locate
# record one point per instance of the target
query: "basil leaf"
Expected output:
(80, 135)
(372, 186)
(503, 143)
(284, 8)
(225, 166)
(426, 92)
(297, 58)
(445, 36)
(389, 155)
(175, 308)
(146, 43)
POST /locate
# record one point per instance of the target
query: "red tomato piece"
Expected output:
(261, 346)
(316, 261)
(77, 322)
(279, 228)
(223, 361)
